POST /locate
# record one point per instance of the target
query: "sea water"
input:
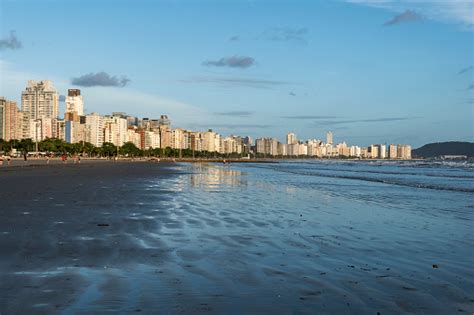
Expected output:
(324, 236)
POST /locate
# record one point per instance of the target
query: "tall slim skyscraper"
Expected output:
(3, 101)
(74, 102)
(40, 100)
(291, 138)
(329, 138)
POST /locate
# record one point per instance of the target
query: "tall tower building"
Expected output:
(40, 100)
(291, 138)
(9, 124)
(95, 125)
(74, 102)
(329, 138)
(3, 101)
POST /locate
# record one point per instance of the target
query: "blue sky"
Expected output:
(371, 71)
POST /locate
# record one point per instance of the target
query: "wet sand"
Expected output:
(142, 237)
(63, 224)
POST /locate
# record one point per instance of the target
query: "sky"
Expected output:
(378, 71)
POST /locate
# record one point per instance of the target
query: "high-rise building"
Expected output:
(329, 137)
(291, 138)
(383, 151)
(404, 152)
(211, 141)
(95, 129)
(178, 139)
(40, 100)
(74, 102)
(374, 151)
(11, 121)
(74, 131)
(115, 130)
(3, 101)
(392, 151)
(164, 121)
(267, 146)
(40, 129)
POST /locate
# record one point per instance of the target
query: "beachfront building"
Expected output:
(314, 147)
(74, 131)
(404, 152)
(355, 151)
(210, 141)
(40, 129)
(230, 144)
(267, 146)
(302, 149)
(195, 140)
(2, 117)
(329, 137)
(343, 149)
(9, 120)
(293, 149)
(74, 102)
(291, 138)
(151, 139)
(165, 136)
(383, 151)
(282, 149)
(179, 139)
(115, 130)
(94, 129)
(134, 136)
(392, 151)
(374, 151)
(59, 129)
(40, 100)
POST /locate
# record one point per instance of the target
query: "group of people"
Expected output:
(64, 158)
(76, 158)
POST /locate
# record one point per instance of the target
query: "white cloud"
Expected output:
(447, 11)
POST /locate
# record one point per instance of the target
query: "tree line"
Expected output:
(55, 146)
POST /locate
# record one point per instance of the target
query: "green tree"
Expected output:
(130, 149)
(108, 149)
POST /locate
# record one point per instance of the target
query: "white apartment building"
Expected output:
(40, 129)
(95, 125)
(74, 102)
(383, 151)
(134, 137)
(115, 130)
(329, 138)
(40, 100)
(178, 140)
(152, 139)
(291, 138)
(211, 141)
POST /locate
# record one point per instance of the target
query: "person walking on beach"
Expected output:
(47, 159)
(8, 160)
(25, 158)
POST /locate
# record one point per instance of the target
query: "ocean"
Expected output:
(320, 237)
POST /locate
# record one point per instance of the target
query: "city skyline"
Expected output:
(39, 120)
(396, 72)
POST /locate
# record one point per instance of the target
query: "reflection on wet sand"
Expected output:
(211, 176)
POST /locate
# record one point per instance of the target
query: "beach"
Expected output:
(284, 238)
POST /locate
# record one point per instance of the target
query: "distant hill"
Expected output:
(445, 148)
